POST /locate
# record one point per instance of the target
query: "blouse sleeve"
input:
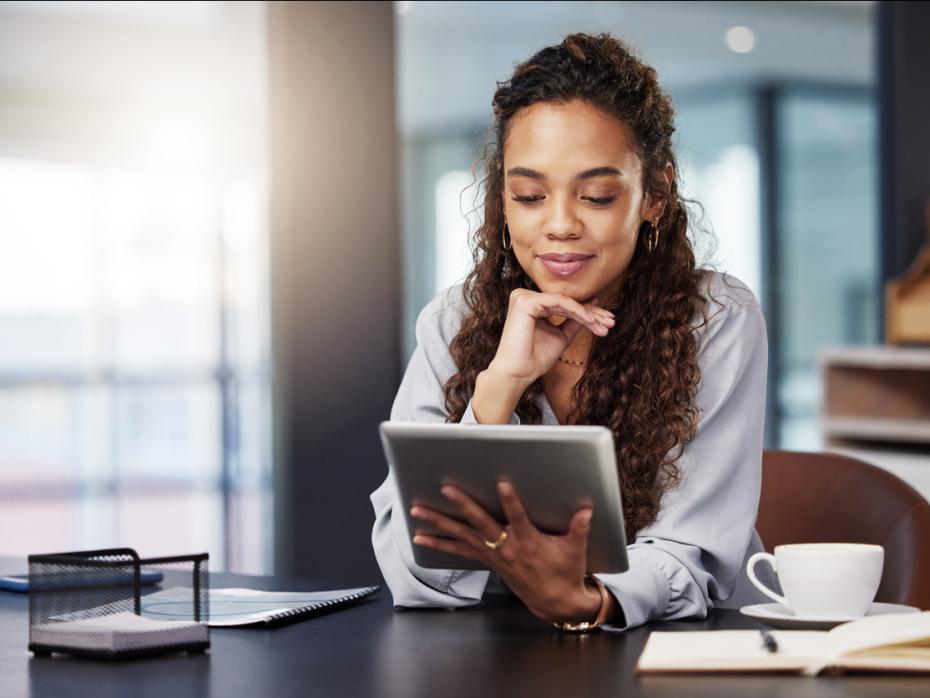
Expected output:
(420, 399)
(692, 554)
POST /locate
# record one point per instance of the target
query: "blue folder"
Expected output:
(20, 582)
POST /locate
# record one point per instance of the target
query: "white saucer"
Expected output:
(778, 616)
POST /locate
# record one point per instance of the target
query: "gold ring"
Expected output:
(495, 544)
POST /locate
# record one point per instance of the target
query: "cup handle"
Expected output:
(750, 571)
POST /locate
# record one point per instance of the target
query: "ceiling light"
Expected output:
(741, 39)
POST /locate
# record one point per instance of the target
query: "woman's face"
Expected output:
(573, 198)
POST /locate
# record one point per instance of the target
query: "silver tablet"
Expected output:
(556, 470)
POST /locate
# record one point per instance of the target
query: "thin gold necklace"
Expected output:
(572, 363)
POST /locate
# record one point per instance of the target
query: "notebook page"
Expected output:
(859, 636)
(915, 652)
(877, 631)
(729, 650)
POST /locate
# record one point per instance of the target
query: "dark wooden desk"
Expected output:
(498, 649)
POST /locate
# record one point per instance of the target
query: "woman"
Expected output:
(585, 307)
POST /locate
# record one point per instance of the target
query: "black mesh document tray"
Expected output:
(88, 603)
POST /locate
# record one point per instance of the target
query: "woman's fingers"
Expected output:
(447, 525)
(604, 317)
(606, 322)
(447, 546)
(579, 528)
(540, 305)
(560, 304)
(595, 322)
(475, 514)
(516, 515)
(602, 314)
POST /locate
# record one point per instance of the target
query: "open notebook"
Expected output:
(899, 642)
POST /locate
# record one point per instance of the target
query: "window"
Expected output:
(828, 278)
(134, 342)
(132, 360)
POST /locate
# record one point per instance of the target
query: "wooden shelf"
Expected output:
(876, 429)
(882, 357)
(876, 394)
(876, 406)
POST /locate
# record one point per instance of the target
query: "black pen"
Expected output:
(768, 641)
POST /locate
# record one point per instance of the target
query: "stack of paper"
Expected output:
(118, 632)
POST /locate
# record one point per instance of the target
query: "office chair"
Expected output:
(829, 498)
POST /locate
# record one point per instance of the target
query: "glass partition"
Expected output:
(827, 281)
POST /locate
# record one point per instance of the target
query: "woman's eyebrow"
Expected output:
(587, 174)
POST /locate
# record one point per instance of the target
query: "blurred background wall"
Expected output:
(194, 194)
(776, 116)
(336, 279)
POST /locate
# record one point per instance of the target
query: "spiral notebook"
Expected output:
(239, 607)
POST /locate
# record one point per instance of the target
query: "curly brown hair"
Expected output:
(642, 379)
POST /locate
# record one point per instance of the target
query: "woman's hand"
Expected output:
(546, 572)
(530, 344)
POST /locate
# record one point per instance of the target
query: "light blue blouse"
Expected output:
(693, 557)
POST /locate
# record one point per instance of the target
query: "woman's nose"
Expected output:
(562, 222)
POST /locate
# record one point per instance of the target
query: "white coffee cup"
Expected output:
(823, 580)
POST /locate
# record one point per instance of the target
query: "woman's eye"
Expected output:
(600, 201)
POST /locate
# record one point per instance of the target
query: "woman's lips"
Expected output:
(565, 264)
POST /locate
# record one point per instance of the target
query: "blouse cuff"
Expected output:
(469, 416)
(430, 587)
(654, 588)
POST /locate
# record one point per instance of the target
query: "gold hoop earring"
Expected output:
(652, 241)
(507, 245)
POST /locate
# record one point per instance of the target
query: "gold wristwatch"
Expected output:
(586, 626)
